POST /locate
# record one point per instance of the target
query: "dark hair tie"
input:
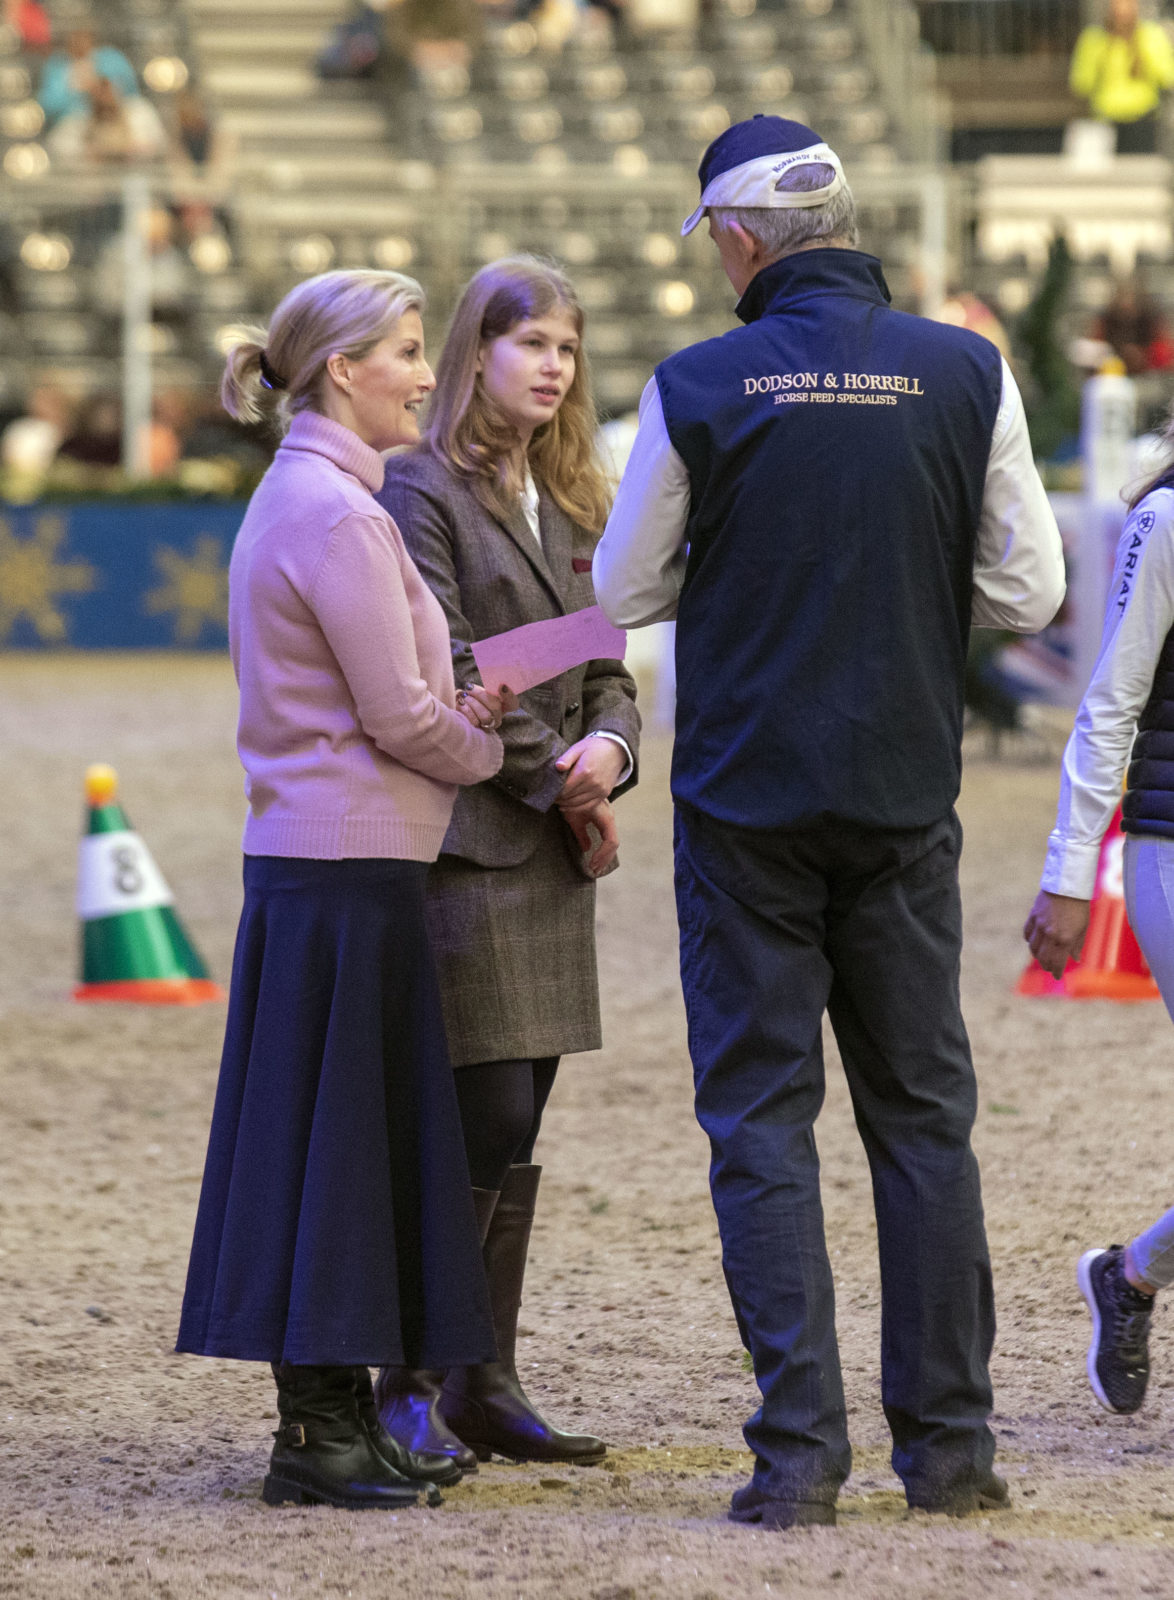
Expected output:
(269, 378)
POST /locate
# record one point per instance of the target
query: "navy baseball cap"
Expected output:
(744, 164)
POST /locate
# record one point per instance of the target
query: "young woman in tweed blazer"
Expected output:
(501, 508)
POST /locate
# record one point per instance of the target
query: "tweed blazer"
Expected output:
(490, 574)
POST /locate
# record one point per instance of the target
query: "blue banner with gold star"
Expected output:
(114, 575)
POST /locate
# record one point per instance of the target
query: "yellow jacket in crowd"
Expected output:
(1121, 78)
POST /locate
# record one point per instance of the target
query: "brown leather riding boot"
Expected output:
(407, 1397)
(486, 1406)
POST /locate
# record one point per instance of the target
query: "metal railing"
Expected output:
(1001, 27)
(904, 75)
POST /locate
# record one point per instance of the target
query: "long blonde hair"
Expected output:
(469, 432)
(279, 373)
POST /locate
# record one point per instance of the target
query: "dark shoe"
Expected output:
(750, 1504)
(1118, 1357)
(407, 1401)
(322, 1455)
(486, 1405)
(991, 1494)
(407, 1398)
(425, 1466)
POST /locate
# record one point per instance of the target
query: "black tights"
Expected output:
(501, 1112)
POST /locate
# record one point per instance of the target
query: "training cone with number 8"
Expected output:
(133, 945)
(1111, 965)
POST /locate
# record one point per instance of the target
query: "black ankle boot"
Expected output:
(486, 1406)
(322, 1454)
(426, 1466)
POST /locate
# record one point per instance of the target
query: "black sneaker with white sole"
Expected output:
(1118, 1356)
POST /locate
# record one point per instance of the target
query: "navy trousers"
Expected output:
(776, 927)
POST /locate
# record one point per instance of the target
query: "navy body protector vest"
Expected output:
(1148, 806)
(837, 454)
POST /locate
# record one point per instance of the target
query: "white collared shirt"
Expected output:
(529, 499)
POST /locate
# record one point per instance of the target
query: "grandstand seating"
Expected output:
(589, 155)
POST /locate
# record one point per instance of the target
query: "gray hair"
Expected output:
(783, 229)
(345, 313)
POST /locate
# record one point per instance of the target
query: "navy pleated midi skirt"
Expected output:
(336, 1221)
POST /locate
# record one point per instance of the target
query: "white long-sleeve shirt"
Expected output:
(1138, 618)
(639, 563)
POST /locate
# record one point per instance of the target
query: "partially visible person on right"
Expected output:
(1124, 730)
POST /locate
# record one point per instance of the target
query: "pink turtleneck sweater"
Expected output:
(350, 741)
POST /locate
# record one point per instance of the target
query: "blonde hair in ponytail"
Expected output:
(345, 313)
(242, 394)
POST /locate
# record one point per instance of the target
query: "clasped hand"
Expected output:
(593, 767)
(484, 709)
(1055, 930)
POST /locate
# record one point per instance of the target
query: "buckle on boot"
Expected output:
(294, 1433)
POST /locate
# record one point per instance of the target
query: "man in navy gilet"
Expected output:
(826, 499)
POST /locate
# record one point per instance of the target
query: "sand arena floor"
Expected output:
(126, 1470)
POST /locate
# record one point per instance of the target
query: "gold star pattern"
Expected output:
(194, 587)
(32, 579)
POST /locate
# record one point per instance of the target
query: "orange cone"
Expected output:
(1111, 966)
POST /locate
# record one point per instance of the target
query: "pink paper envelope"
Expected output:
(541, 650)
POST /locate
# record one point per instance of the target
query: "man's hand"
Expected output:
(600, 819)
(593, 768)
(1055, 930)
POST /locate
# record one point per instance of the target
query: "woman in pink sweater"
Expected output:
(336, 1227)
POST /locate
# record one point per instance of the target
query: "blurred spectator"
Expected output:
(966, 310)
(357, 46)
(110, 131)
(29, 444)
(211, 434)
(70, 75)
(30, 23)
(438, 33)
(1132, 327)
(200, 149)
(96, 440)
(173, 282)
(611, 14)
(1121, 69)
(661, 16)
(169, 419)
(198, 143)
(554, 21)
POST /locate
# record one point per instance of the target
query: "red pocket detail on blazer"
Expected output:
(580, 564)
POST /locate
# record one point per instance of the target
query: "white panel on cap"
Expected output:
(753, 184)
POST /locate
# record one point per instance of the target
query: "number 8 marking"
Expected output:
(128, 877)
